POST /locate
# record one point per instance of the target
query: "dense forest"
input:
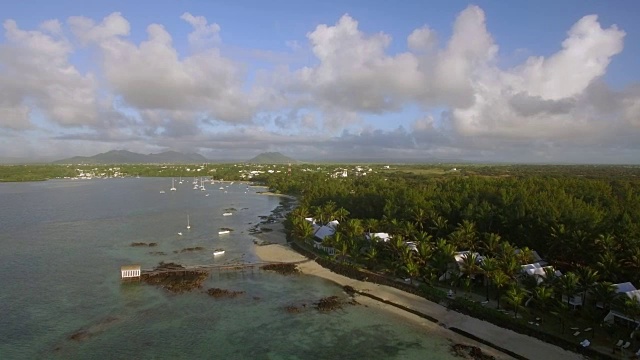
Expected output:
(584, 221)
(571, 220)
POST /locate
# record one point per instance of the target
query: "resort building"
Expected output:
(617, 315)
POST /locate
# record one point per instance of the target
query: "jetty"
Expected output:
(212, 267)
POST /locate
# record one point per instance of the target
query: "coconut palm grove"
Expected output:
(551, 251)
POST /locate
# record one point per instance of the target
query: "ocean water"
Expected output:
(62, 243)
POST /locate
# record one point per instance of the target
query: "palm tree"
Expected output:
(371, 256)
(470, 267)
(489, 266)
(422, 237)
(425, 253)
(515, 296)
(568, 284)
(500, 280)
(491, 244)
(341, 214)
(464, 237)
(443, 256)
(543, 298)
(419, 217)
(632, 264)
(632, 308)
(587, 278)
(604, 294)
(371, 225)
(440, 226)
(525, 256)
(412, 269)
(609, 266)
(550, 278)
(302, 229)
(342, 249)
(510, 267)
(328, 211)
(351, 228)
(606, 243)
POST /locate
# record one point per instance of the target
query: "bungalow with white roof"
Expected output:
(539, 271)
(456, 267)
(380, 236)
(616, 314)
(323, 232)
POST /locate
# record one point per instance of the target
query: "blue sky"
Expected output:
(539, 81)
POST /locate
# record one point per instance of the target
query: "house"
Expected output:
(323, 232)
(457, 266)
(616, 314)
(385, 237)
(539, 271)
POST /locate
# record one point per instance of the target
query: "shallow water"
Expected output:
(62, 243)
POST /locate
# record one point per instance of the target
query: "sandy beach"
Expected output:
(523, 345)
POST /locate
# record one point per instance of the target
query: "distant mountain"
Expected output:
(128, 157)
(271, 158)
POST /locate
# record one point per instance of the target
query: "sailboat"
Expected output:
(173, 186)
(188, 225)
(180, 182)
(202, 185)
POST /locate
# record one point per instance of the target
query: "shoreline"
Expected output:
(492, 339)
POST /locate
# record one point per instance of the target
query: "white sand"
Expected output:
(524, 345)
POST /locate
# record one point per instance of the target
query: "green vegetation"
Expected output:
(584, 220)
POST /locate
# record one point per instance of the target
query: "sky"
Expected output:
(490, 81)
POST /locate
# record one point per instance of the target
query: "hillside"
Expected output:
(271, 158)
(128, 157)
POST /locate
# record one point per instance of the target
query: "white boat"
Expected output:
(207, 194)
(180, 182)
(221, 188)
(223, 232)
(227, 214)
(188, 225)
(173, 186)
(218, 252)
(202, 185)
(161, 191)
(180, 233)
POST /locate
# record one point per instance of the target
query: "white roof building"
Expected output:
(380, 236)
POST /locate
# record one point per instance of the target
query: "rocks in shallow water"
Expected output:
(80, 335)
(220, 293)
(138, 244)
(292, 309)
(470, 352)
(349, 290)
(283, 269)
(189, 249)
(329, 304)
(175, 278)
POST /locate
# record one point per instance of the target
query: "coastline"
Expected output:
(525, 346)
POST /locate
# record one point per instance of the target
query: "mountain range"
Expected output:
(128, 157)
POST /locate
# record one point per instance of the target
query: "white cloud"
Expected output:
(35, 74)
(203, 35)
(152, 76)
(422, 39)
(147, 92)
